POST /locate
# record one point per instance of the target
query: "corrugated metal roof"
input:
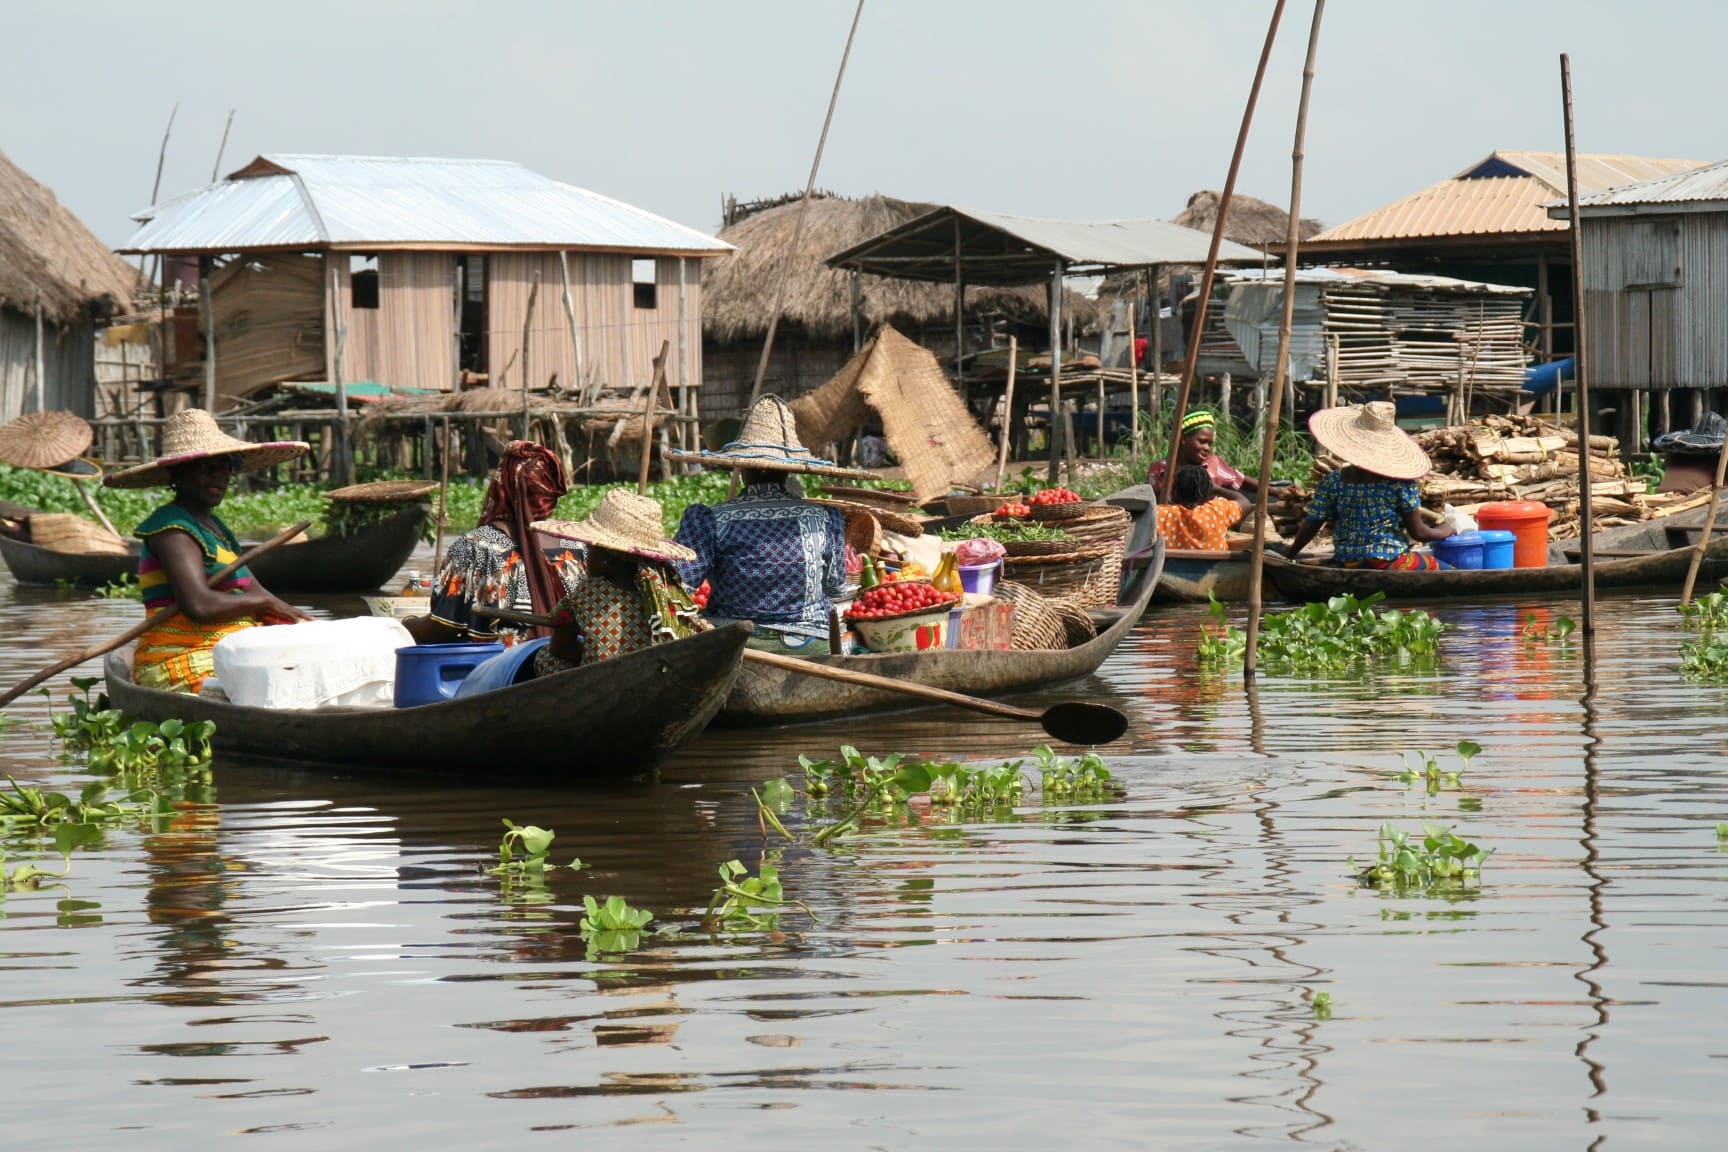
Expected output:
(1499, 202)
(294, 201)
(1377, 278)
(996, 248)
(1697, 186)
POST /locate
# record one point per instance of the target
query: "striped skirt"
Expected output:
(175, 656)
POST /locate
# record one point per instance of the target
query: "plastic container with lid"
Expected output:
(1527, 520)
(1463, 550)
(1499, 548)
(429, 673)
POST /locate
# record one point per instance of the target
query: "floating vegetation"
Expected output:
(1439, 863)
(523, 863)
(1706, 612)
(172, 753)
(611, 925)
(1343, 634)
(1559, 632)
(746, 903)
(1322, 1005)
(1705, 658)
(1424, 769)
(125, 588)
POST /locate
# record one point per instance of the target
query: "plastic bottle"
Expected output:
(867, 575)
(412, 586)
(946, 578)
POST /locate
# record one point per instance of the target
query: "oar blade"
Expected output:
(1084, 723)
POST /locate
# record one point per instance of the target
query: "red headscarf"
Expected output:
(527, 487)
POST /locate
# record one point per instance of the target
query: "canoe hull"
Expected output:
(1307, 583)
(609, 721)
(1193, 577)
(357, 563)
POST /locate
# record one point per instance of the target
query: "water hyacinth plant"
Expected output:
(1706, 612)
(746, 903)
(1438, 863)
(1342, 635)
(611, 925)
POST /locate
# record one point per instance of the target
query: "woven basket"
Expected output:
(65, 532)
(863, 532)
(1036, 624)
(973, 505)
(883, 497)
(383, 492)
(1089, 577)
(1070, 511)
(1075, 622)
(1037, 547)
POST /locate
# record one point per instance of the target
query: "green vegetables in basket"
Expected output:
(1006, 532)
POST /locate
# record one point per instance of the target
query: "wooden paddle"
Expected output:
(1071, 721)
(151, 620)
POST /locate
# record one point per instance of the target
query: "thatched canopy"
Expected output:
(738, 290)
(47, 251)
(1252, 222)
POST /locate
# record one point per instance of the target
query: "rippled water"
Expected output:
(322, 960)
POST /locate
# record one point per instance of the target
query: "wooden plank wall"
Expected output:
(269, 323)
(1656, 294)
(409, 338)
(68, 361)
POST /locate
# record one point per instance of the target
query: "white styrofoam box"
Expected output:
(314, 664)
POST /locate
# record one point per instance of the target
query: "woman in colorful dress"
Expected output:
(1372, 503)
(769, 556)
(1199, 435)
(496, 565)
(185, 543)
(1197, 520)
(628, 595)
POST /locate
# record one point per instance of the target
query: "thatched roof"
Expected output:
(738, 290)
(46, 250)
(1252, 222)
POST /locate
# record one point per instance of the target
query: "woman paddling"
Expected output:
(185, 542)
(768, 555)
(1372, 503)
(496, 565)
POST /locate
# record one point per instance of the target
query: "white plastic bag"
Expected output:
(1460, 521)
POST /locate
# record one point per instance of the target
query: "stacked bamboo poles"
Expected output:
(1268, 447)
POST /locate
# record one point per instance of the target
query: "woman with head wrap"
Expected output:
(498, 565)
(1199, 433)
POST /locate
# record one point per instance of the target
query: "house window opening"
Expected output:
(362, 281)
(644, 283)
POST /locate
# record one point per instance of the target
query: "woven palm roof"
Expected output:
(47, 253)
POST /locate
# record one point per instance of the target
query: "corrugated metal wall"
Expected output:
(619, 340)
(68, 361)
(1656, 300)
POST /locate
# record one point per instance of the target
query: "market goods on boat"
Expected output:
(368, 559)
(606, 721)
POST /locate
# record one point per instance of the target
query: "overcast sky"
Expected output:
(1065, 108)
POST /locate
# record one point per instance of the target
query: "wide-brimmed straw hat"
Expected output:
(1369, 437)
(623, 522)
(49, 442)
(769, 441)
(191, 435)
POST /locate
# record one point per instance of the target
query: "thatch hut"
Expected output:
(57, 280)
(820, 326)
(1252, 222)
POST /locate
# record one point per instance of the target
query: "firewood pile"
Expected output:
(1518, 458)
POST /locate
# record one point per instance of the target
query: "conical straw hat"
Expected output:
(769, 441)
(193, 435)
(1369, 437)
(623, 522)
(44, 440)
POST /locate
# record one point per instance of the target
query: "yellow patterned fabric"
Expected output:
(175, 656)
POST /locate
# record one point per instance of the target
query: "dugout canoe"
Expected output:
(1658, 568)
(358, 563)
(767, 695)
(1194, 576)
(607, 721)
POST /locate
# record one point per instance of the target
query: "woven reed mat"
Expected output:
(1036, 624)
(65, 532)
(383, 492)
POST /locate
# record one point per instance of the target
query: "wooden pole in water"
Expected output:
(443, 498)
(1007, 413)
(798, 224)
(527, 332)
(1709, 524)
(1133, 382)
(654, 386)
(1192, 361)
(1280, 371)
(1581, 362)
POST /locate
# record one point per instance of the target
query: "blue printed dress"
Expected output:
(1367, 516)
(768, 557)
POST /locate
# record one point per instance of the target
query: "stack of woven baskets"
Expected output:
(1087, 571)
(1041, 622)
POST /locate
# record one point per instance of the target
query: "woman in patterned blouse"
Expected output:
(1197, 520)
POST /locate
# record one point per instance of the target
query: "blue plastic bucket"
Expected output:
(980, 578)
(1463, 550)
(430, 673)
(502, 670)
(1499, 547)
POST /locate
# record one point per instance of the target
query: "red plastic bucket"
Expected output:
(1527, 520)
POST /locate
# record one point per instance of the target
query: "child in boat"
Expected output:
(185, 543)
(1198, 520)
(1372, 503)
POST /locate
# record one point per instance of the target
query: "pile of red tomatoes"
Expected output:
(899, 599)
(1056, 496)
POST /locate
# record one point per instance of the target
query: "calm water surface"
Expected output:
(317, 961)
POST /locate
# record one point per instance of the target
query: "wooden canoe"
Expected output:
(608, 721)
(1662, 568)
(1192, 576)
(765, 695)
(357, 563)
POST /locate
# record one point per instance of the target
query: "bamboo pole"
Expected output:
(1007, 412)
(216, 168)
(1058, 420)
(803, 208)
(1280, 370)
(1580, 364)
(570, 316)
(648, 406)
(443, 498)
(1192, 361)
(40, 360)
(1709, 525)
(207, 307)
(340, 463)
(527, 331)
(1133, 382)
(90, 503)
